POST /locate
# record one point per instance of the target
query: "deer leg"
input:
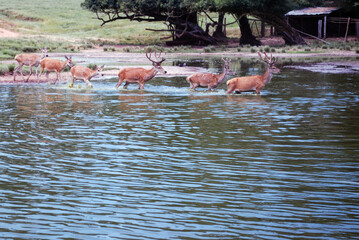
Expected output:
(141, 85)
(47, 75)
(41, 71)
(29, 74)
(190, 84)
(37, 76)
(126, 84)
(72, 81)
(57, 77)
(88, 83)
(16, 70)
(120, 81)
(230, 89)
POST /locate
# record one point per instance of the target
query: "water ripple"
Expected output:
(168, 163)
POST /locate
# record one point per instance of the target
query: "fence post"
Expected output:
(320, 25)
(325, 27)
(346, 32)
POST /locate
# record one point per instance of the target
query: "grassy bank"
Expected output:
(63, 26)
(67, 21)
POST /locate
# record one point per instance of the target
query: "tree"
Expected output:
(180, 16)
(270, 11)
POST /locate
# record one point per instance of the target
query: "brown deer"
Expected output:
(141, 75)
(210, 80)
(54, 65)
(84, 73)
(254, 83)
(29, 59)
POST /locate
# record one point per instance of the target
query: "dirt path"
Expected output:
(4, 33)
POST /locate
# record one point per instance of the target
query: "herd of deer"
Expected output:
(140, 75)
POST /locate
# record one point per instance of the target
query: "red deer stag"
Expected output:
(29, 59)
(54, 65)
(84, 73)
(210, 80)
(254, 83)
(141, 75)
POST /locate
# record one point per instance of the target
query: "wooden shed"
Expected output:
(325, 22)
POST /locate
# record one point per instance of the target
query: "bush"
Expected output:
(253, 50)
(92, 66)
(9, 52)
(29, 49)
(11, 67)
(266, 49)
(209, 49)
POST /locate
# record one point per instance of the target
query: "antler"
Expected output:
(271, 61)
(156, 56)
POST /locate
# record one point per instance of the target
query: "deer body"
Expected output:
(54, 65)
(136, 75)
(140, 75)
(209, 80)
(31, 60)
(253, 83)
(84, 73)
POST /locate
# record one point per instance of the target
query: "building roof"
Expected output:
(314, 11)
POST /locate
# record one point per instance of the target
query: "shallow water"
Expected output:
(169, 163)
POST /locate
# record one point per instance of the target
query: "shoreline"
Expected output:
(126, 59)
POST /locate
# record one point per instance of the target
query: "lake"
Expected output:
(169, 163)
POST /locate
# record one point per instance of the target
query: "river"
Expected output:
(169, 163)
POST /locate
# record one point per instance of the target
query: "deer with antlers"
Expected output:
(141, 75)
(210, 80)
(54, 65)
(257, 82)
(84, 73)
(31, 60)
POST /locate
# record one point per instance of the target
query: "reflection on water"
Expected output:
(169, 163)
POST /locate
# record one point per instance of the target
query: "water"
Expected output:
(168, 163)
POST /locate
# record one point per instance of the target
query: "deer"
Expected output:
(84, 73)
(210, 80)
(54, 65)
(29, 59)
(141, 75)
(257, 82)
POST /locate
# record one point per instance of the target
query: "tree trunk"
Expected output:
(246, 32)
(188, 32)
(218, 33)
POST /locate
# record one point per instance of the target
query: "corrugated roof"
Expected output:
(312, 11)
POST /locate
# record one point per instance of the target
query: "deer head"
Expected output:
(227, 64)
(270, 61)
(44, 52)
(69, 61)
(156, 64)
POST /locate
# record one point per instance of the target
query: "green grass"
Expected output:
(67, 21)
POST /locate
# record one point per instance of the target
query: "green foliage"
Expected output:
(209, 49)
(11, 67)
(92, 66)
